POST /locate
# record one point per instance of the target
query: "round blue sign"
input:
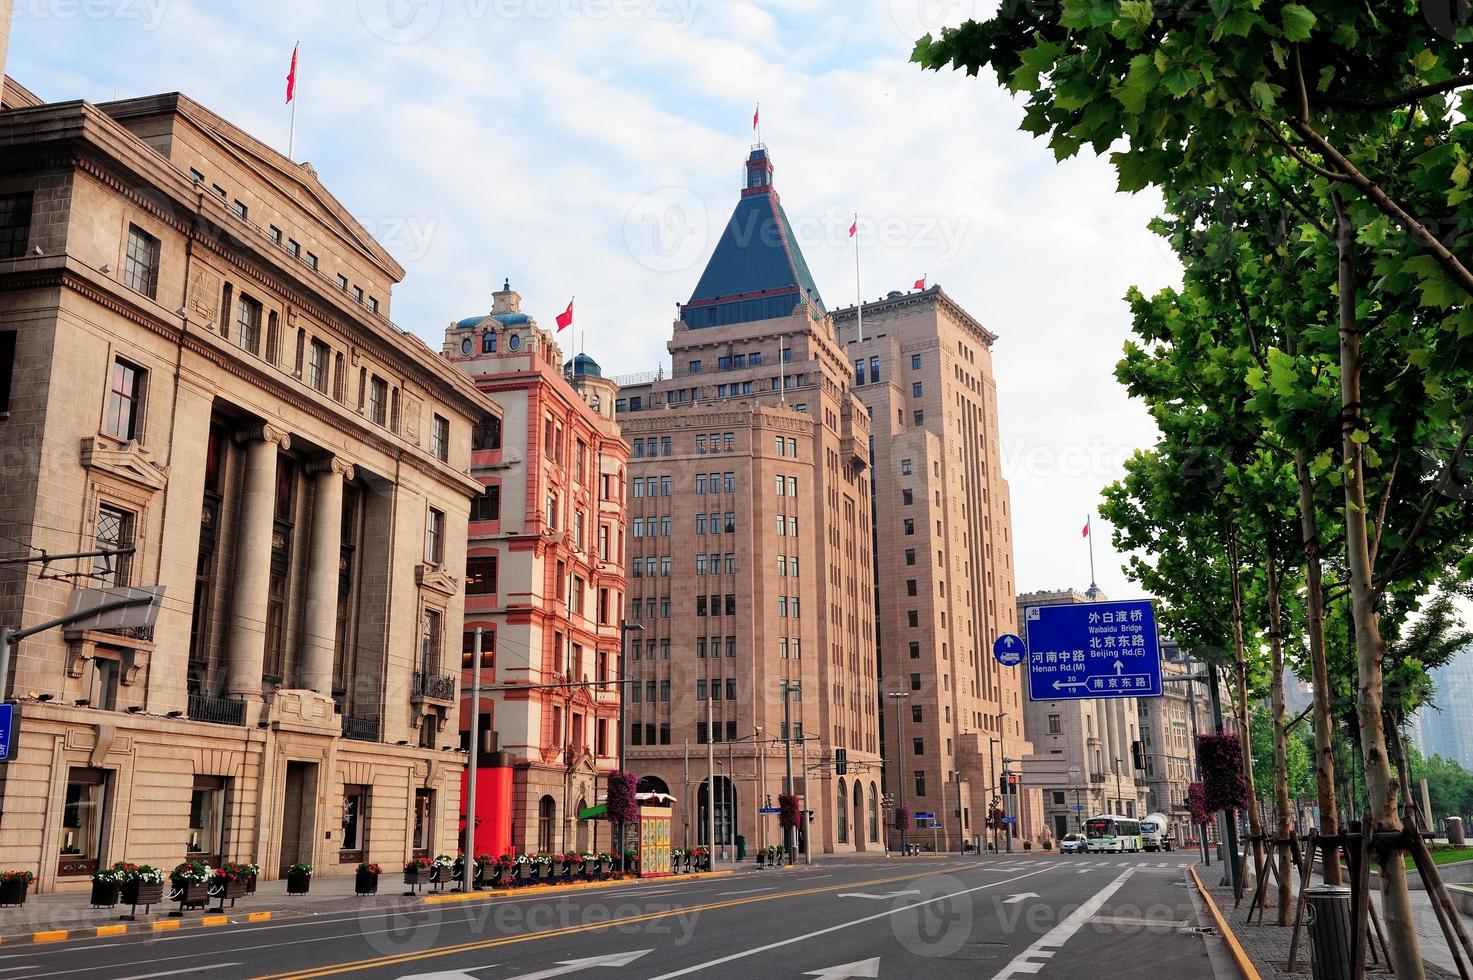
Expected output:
(1008, 649)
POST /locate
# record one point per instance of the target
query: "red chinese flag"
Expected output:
(291, 77)
(921, 283)
(1085, 532)
(854, 227)
(756, 114)
(565, 318)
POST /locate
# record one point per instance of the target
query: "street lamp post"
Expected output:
(1074, 774)
(997, 786)
(899, 776)
(625, 628)
(789, 687)
(1119, 800)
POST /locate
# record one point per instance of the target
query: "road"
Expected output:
(1002, 916)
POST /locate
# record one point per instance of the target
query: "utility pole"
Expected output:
(803, 812)
(788, 687)
(473, 762)
(710, 782)
(896, 696)
(730, 804)
(686, 794)
(625, 628)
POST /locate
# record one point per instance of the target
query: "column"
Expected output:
(319, 642)
(247, 646)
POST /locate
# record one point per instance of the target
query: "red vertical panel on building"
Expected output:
(493, 809)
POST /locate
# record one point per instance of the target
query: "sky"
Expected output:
(594, 149)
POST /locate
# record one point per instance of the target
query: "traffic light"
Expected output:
(1138, 754)
(1007, 784)
(841, 762)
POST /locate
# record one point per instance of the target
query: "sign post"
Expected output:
(1093, 650)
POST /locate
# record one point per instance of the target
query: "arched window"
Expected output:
(874, 813)
(546, 810)
(488, 343)
(652, 784)
(858, 812)
(843, 813)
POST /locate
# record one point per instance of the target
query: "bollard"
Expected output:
(1454, 830)
(1327, 910)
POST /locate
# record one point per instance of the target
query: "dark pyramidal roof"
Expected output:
(757, 271)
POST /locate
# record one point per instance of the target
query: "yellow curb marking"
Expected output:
(50, 936)
(1245, 965)
(116, 930)
(258, 916)
(164, 925)
(215, 920)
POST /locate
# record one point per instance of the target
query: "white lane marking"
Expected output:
(749, 891)
(1061, 933)
(842, 925)
(1084, 871)
(175, 973)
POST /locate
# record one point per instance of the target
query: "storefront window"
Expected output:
(82, 821)
(207, 818)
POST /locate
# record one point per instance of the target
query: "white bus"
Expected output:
(1112, 832)
(1156, 832)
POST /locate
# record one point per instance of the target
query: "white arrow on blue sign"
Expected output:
(7, 731)
(1008, 649)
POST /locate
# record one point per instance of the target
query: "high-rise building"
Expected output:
(1082, 755)
(200, 385)
(943, 554)
(1446, 727)
(749, 552)
(544, 580)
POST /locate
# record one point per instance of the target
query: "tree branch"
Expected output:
(1428, 505)
(1406, 97)
(1381, 510)
(1293, 202)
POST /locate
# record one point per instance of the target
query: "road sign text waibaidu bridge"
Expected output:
(1093, 650)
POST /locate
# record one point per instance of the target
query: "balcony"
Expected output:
(1097, 777)
(434, 687)
(362, 728)
(216, 711)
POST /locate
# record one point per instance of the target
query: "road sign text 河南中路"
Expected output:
(1093, 650)
(9, 737)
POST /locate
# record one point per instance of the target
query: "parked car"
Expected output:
(1072, 844)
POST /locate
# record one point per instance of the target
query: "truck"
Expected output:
(1156, 833)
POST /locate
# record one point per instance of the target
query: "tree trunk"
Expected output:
(1281, 748)
(1255, 825)
(1324, 724)
(1381, 785)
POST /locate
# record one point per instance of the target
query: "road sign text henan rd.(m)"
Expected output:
(1093, 650)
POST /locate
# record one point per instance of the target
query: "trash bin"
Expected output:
(1327, 908)
(1454, 830)
(741, 848)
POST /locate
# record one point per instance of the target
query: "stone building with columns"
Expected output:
(197, 364)
(545, 576)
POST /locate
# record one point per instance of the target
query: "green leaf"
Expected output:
(1264, 94)
(1297, 21)
(1139, 81)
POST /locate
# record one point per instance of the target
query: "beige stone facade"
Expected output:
(944, 554)
(1166, 739)
(203, 371)
(750, 553)
(548, 539)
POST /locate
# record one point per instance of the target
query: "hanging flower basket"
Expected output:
(1223, 783)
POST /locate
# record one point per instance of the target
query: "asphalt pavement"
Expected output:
(999, 916)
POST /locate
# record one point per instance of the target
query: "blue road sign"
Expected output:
(1008, 649)
(1010, 820)
(8, 731)
(925, 816)
(769, 809)
(1093, 650)
(1079, 808)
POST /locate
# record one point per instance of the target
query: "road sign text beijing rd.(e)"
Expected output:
(1093, 650)
(9, 736)
(1008, 649)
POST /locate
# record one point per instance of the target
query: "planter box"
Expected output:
(298, 884)
(14, 892)
(142, 893)
(105, 894)
(365, 883)
(190, 894)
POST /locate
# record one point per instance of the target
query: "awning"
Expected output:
(594, 812)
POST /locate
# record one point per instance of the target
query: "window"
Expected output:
(293, 248)
(355, 818)
(311, 261)
(695, 367)
(378, 400)
(859, 371)
(913, 619)
(358, 293)
(126, 385)
(918, 746)
(440, 438)
(915, 682)
(317, 365)
(1055, 726)
(920, 778)
(114, 532)
(480, 576)
(140, 264)
(915, 650)
(728, 482)
(915, 362)
(82, 816)
(248, 324)
(241, 211)
(435, 537)
(275, 234)
(342, 282)
(907, 497)
(910, 526)
(910, 586)
(429, 641)
(665, 451)
(487, 435)
(905, 467)
(206, 817)
(7, 367)
(916, 714)
(915, 389)
(874, 369)
(910, 556)
(920, 417)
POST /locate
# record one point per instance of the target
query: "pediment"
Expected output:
(435, 578)
(129, 460)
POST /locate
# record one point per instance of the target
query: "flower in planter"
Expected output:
(300, 869)
(372, 869)
(443, 861)
(108, 876)
(192, 872)
(418, 865)
(543, 858)
(10, 877)
(145, 874)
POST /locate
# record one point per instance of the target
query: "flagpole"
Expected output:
(1088, 533)
(858, 293)
(757, 116)
(291, 140)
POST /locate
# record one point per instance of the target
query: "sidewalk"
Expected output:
(1267, 945)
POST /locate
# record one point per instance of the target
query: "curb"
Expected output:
(124, 928)
(1245, 965)
(489, 895)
